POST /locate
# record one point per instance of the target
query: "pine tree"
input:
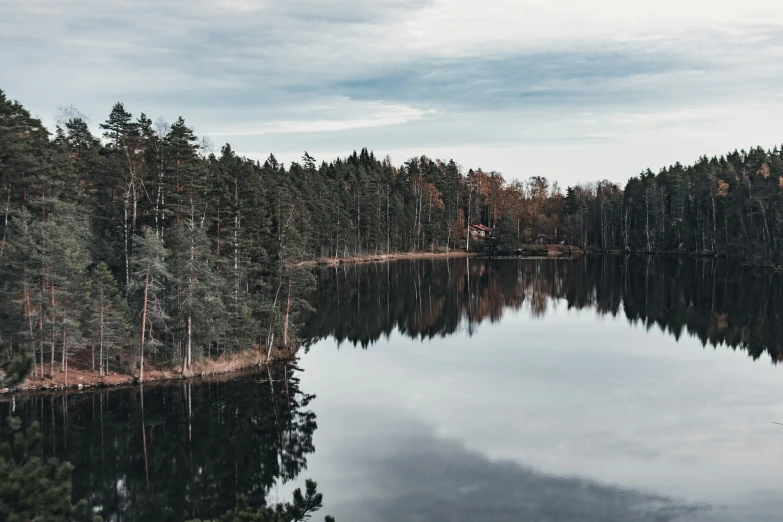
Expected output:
(66, 257)
(108, 321)
(148, 279)
(183, 172)
(15, 368)
(119, 127)
(198, 302)
(294, 280)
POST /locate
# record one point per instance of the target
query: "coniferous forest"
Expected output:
(141, 245)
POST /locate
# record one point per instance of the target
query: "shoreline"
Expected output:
(527, 251)
(382, 258)
(88, 380)
(694, 255)
(548, 250)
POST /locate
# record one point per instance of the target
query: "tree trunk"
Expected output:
(337, 234)
(65, 354)
(101, 371)
(269, 346)
(358, 226)
(5, 221)
(144, 324)
(765, 235)
(41, 338)
(29, 314)
(647, 216)
(51, 318)
(188, 360)
(157, 204)
(133, 215)
(714, 225)
(429, 222)
(236, 224)
(125, 240)
(62, 359)
(625, 226)
(663, 218)
(287, 312)
(467, 239)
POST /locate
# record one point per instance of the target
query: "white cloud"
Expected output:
(610, 86)
(462, 25)
(350, 115)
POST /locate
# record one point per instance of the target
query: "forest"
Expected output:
(142, 245)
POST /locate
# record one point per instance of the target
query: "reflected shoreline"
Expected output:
(719, 301)
(255, 370)
(178, 452)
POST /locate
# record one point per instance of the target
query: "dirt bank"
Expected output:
(379, 258)
(525, 251)
(550, 251)
(85, 379)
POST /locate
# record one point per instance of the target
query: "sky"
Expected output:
(576, 91)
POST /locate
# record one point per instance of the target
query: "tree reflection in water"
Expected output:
(187, 451)
(717, 300)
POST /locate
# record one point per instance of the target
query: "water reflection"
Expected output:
(178, 452)
(564, 417)
(719, 301)
(419, 476)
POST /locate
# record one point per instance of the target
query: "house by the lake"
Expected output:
(480, 231)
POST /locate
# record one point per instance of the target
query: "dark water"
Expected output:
(602, 389)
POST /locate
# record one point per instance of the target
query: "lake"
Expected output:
(607, 388)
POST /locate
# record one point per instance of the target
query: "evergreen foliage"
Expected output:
(32, 488)
(728, 206)
(108, 327)
(173, 253)
(14, 369)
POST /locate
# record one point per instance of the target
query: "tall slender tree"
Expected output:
(148, 282)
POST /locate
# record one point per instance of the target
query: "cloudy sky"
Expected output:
(573, 90)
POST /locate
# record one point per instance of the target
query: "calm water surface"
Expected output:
(602, 389)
